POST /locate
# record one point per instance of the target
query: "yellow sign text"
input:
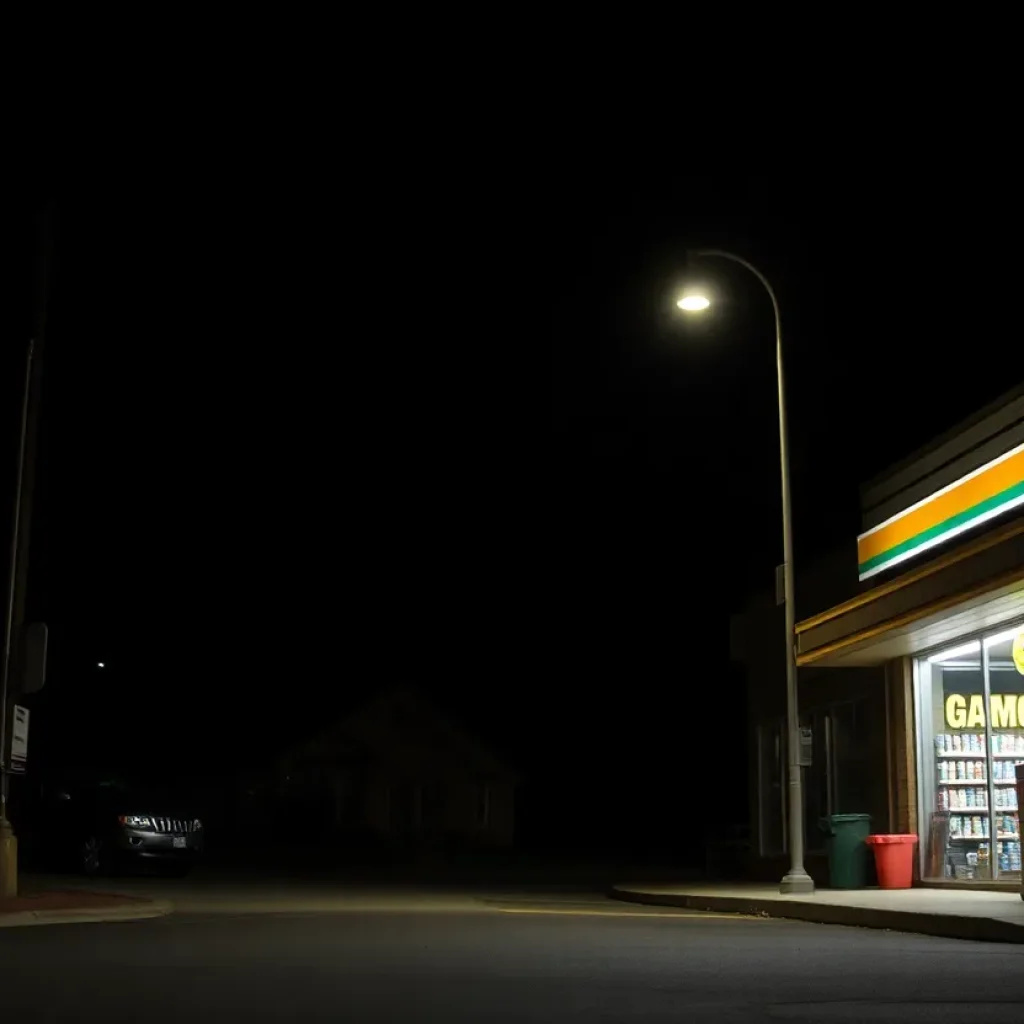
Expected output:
(1007, 710)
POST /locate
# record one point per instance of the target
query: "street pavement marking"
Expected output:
(625, 913)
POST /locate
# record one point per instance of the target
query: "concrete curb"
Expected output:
(945, 926)
(89, 915)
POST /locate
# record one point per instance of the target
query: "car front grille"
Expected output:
(175, 824)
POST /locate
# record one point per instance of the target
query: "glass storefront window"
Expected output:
(971, 717)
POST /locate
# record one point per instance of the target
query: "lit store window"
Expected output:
(970, 701)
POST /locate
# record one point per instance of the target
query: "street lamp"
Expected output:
(796, 880)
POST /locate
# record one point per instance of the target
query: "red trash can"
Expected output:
(894, 860)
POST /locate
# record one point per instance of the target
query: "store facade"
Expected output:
(912, 685)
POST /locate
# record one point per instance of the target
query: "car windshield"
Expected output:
(139, 798)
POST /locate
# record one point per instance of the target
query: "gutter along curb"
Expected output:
(941, 925)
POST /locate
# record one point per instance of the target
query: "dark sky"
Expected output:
(303, 438)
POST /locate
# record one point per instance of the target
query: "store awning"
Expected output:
(976, 587)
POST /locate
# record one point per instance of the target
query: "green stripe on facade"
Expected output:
(960, 519)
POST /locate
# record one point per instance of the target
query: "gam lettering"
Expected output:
(1006, 709)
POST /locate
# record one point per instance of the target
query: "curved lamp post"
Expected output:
(796, 879)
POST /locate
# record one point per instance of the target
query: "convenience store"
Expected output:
(912, 675)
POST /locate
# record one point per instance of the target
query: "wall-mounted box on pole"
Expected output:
(18, 755)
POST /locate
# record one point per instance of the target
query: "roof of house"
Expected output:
(410, 700)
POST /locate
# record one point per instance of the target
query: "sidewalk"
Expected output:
(76, 907)
(957, 914)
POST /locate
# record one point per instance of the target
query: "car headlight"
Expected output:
(136, 821)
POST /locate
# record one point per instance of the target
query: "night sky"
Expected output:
(304, 440)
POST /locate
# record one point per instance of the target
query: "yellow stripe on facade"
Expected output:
(942, 506)
(896, 622)
(989, 540)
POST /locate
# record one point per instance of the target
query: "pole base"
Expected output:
(796, 880)
(8, 865)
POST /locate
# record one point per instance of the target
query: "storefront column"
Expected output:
(902, 745)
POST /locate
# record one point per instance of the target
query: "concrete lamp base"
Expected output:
(798, 882)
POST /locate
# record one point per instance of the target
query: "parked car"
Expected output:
(99, 828)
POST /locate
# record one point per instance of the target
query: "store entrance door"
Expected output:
(857, 786)
(843, 776)
(818, 779)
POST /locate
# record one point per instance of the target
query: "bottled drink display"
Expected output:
(984, 818)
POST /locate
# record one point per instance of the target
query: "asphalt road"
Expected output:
(407, 956)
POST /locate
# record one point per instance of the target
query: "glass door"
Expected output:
(1006, 727)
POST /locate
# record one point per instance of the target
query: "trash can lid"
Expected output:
(837, 818)
(882, 840)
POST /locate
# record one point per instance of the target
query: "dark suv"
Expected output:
(101, 827)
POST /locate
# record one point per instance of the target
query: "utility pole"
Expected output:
(8, 842)
(21, 531)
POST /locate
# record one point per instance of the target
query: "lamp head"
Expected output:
(693, 303)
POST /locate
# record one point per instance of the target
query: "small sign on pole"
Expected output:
(806, 748)
(19, 739)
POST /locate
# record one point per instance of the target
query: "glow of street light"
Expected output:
(100, 664)
(693, 303)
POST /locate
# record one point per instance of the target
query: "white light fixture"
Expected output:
(100, 664)
(973, 647)
(694, 303)
(975, 666)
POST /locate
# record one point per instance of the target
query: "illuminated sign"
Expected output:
(968, 712)
(981, 495)
(1018, 652)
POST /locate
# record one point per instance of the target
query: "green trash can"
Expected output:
(849, 859)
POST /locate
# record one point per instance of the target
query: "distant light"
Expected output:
(100, 664)
(693, 303)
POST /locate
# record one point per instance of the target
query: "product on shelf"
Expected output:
(977, 796)
(968, 826)
(1004, 744)
(1008, 854)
